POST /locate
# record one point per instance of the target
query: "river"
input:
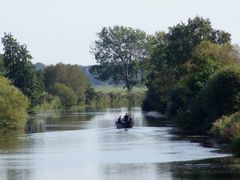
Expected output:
(86, 145)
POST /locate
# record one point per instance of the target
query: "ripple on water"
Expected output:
(108, 145)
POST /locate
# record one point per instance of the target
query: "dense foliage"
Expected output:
(67, 96)
(219, 97)
(180, 77)
(2, 67)
(69, 75)
(19, 69)
(120, 53)
(13, 106)
(227, 129)
(172, 56)
(110, 96)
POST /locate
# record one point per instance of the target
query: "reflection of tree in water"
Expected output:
(35, 125)
(14, 143)
(18, 174)
(219, 168)
(58, 121)
(151, 121)
(11, 142)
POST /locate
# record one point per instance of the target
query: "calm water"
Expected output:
(87, 146)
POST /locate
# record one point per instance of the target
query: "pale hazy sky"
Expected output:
(62, 30)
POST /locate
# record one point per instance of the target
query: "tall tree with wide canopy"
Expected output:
(120, 53)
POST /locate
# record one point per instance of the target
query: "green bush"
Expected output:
(233, 127)
(178, 98)
(71, 76)
(191, 119)
(221, 95)
(236, 137)
(221, 127)
(50, 103)
(90, 95)
(13, 106)
(67, 96)
(227, 129)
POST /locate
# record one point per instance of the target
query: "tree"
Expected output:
(14, 105)
(67, 96)
(69, 75)
(236, 52)
(172, 55)
(2, 68)
(120, 52)
(19, 69)
(183, 38)
(221, 96)
(207, 58)
(157, 75)
(90, 95)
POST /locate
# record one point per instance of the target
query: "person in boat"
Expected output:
(125, 118)
(119, 119)
(125, 122)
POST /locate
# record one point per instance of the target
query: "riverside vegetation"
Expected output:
(13, 106)
(191, 72)
(193, 78)
(60, 86)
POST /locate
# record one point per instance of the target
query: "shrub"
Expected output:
(236, 137)
(220, 126)
(13, 106)
(227, 129)
(71, 76)
(90, 95)
(67, 96)
(221, 95)
(50, 103)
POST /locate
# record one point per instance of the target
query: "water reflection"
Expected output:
(59, 121)
(209, 169)
(77, 145)
(14, 165)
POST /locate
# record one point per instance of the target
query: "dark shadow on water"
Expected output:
(219, 168)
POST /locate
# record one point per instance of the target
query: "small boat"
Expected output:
(122, 125)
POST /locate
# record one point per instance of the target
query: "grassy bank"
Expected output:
(101, 97)
(119, 89)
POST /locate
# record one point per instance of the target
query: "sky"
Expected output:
(63, 30)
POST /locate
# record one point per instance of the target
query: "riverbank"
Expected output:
(102, 97)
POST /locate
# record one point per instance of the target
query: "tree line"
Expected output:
(191, 72)
(26, 88)
(23, 88)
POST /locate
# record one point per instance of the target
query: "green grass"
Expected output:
(119, 89)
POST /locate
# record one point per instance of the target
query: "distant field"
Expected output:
(118, 89)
